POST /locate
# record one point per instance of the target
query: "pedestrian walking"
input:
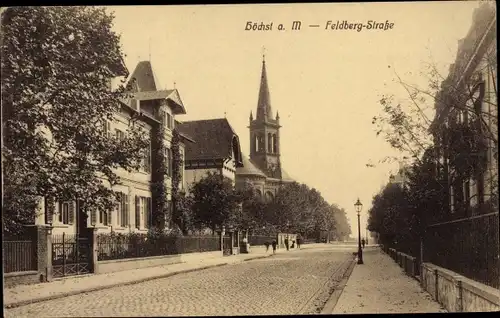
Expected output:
(363, 243)
(286, 244)
(266, 244)
(293, 244)
(298, 242)
(274, 246)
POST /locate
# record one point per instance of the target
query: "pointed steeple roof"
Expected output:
(264, 111)
(143, 77)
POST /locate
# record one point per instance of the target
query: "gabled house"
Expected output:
(150, 107)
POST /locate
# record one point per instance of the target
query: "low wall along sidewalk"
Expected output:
(454, 292)
(458, 293)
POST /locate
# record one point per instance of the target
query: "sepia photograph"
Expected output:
(250, 159)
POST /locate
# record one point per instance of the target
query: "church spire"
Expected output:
(264, 111)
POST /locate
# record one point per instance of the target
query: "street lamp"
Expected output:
(358, 206)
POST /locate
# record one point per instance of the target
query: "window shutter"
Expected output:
(60, 212)
(122, 209)
(108, 124)
(71, 212)
(137, 212)
(127, 211)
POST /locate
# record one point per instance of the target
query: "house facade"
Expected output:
(149, 107)
(215, 147)
(263, 169)
(471, 87)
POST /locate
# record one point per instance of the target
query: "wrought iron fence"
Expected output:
(310, 241)
(118, 246)
(469, 247)
(71, 255)
(19, 254)
(255, 240)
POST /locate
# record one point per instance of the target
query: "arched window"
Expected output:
(269, 196)
(262, 143)
(256, 142)
(259, 193)
(269, 143)
(275, 144)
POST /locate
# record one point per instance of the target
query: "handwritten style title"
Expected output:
(328, 25)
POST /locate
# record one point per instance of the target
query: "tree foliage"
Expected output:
(56, 63)
(448, 151)
(215, 202)
(296, 208)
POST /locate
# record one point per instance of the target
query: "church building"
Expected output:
(263, 168)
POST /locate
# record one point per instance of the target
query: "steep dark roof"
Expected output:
(142, 78)
(119, 69)
(213, 139)
(249, 169)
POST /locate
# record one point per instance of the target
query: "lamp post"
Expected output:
(358, 205)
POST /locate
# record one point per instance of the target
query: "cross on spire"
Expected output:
(263, 54)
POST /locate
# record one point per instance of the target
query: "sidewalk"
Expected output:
(25, 294)
(380, 286)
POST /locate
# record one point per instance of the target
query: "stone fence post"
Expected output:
(44, 252)
(94, 251)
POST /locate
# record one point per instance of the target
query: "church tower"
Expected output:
(264, 132)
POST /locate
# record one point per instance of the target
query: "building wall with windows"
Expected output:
(472, 80)
(134, 205)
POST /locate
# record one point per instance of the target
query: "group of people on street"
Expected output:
(274, 244)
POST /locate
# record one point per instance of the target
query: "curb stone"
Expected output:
(331, 303)
(320, 292)
(88, 290)
(258, 257)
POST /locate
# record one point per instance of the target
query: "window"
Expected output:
(107, 128)
(119, 134)
(269, 143)
(104, 217)
(262, 145)
(169, 121)
(138, 212)
(67, 212)
(142, 212)
(275, 147)
(145, 209)
(122, 209)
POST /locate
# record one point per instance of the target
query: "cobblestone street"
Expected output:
(288, 283)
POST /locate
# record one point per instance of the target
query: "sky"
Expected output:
(325, 83)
